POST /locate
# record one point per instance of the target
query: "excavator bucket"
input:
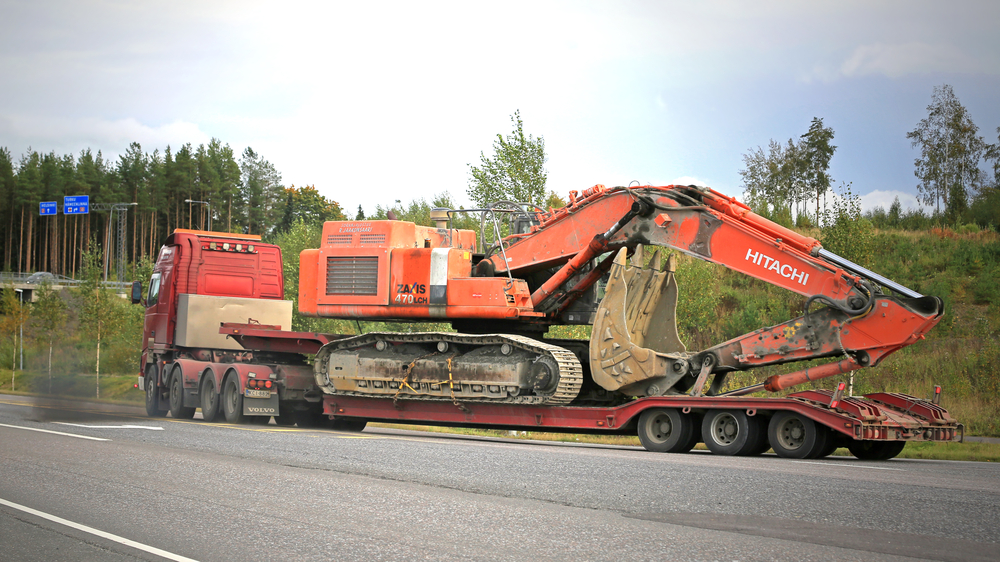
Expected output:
(634, 346)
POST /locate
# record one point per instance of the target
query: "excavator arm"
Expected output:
(634, 344)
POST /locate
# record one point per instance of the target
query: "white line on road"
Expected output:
(55, 432)
(154, 428)
(99, 533)
(851, 465)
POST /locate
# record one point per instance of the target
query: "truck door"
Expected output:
(159, 300)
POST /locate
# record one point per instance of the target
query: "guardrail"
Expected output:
(53, 279)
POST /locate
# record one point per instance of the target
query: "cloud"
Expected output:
(70, 135)
(898, 60)
(884, 199)
(901, 59)
(689, 180)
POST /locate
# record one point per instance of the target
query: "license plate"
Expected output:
(255, 393)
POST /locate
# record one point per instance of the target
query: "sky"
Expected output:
(373, 102)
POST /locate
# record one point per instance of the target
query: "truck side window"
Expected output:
(154, 290)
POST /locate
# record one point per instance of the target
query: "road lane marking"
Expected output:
(851, 465)
(152, 428)
(98, 532)
(55, 432)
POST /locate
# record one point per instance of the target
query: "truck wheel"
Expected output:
(832, 444)
(666, 430)
(349, 424)
(232, 400)
(794, 436)
(153, 394)
(732, 432)
(177, 409)
(876, 450)
(210, 400)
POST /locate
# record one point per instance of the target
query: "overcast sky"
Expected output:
(377, 101)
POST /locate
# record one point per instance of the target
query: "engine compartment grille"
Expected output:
(339, 239)
(352, 275)
(368, 239)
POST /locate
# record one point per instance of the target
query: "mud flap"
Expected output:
(634, 346)
(261, 406)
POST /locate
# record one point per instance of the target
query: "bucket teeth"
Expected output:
(637, 324)
(637, 256)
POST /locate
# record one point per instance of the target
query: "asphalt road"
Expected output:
(155, 489)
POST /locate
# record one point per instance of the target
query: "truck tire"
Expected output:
(733, 432)
(177, 408)
(211, 402)
(876, 450)
(232, 400)
(794, 436)
(832, 444)
(666, 430)
(152, 389)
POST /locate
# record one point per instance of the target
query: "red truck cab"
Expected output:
(200, 280)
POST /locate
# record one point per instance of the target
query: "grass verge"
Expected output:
(114, 388)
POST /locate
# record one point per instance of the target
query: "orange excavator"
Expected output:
(546, 268)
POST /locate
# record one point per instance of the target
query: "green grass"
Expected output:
(114, 388)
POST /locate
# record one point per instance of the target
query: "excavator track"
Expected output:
(419, 367)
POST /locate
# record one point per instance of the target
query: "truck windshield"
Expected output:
(154, 290)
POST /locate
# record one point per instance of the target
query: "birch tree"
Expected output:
(950, 153)
(515, 171)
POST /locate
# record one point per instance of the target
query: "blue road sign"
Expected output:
(76, 205)
(47, 208)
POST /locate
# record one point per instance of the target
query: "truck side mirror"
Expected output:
(136, 292)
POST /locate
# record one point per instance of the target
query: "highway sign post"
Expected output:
(76, 205)
(47, 208)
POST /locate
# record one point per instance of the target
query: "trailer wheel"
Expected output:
(832, 444)
(232, 400)
(153, 394)
(733, 432)
(876, 450)
(795, 436)
(177, 408)
(211, 403)
(666, 430)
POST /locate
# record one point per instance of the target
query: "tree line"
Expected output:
(957, 171)
(200, 188)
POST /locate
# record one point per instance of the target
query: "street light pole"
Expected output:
(207, 204)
